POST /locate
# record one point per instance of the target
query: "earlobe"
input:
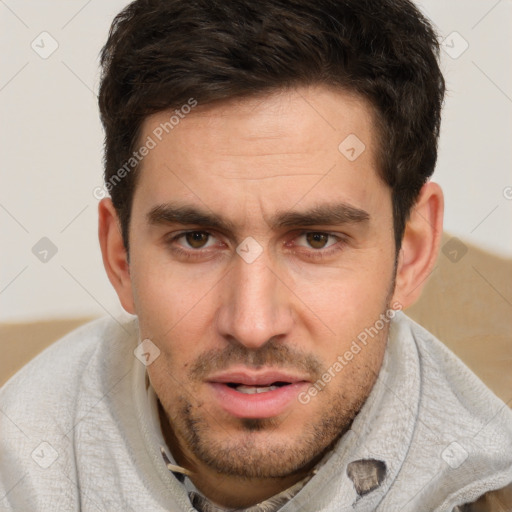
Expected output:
(114, 254)
(420, 244)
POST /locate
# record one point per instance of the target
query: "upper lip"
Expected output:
(256, 378)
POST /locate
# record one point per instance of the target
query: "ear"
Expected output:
(114, 255)
(420, 244)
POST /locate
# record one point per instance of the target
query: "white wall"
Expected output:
(475, 157)
(51, 143)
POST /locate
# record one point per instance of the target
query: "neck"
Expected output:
(228, 490)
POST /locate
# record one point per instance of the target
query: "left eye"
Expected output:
(318, 240)
(197, 239)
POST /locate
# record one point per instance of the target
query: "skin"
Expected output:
(298, 306)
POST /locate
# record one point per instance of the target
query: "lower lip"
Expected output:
(258, 405)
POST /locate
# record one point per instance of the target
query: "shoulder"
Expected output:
(59, 367)
(73, 366)
(463, 435)
(450, 390)
(53, 380)
(41, 404)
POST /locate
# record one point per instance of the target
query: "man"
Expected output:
(270, 214)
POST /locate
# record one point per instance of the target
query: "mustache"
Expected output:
(272, 354)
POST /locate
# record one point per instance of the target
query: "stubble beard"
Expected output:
(248, 454)
(256, 449)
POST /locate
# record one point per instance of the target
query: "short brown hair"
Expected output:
(161, 53)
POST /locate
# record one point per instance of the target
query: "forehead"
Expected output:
(271, 152)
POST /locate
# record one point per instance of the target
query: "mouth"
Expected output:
(251, 390)
(249, 394)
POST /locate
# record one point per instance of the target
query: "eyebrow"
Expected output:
(332, 214)
(325, 214)
(169, 213)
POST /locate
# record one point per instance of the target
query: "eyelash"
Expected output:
(321, 254)
(188, 254)
(312, 254)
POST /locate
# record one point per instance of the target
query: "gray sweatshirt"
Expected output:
(79, 430)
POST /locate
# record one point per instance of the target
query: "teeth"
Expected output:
(251, 390)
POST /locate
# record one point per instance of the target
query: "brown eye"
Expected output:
(317, 240)
(197, 239)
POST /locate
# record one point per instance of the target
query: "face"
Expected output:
(258, 253)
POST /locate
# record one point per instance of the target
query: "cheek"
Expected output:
(346, 298)
(179, 321)
(170, 297)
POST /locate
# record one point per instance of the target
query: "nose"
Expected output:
(255, 304)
